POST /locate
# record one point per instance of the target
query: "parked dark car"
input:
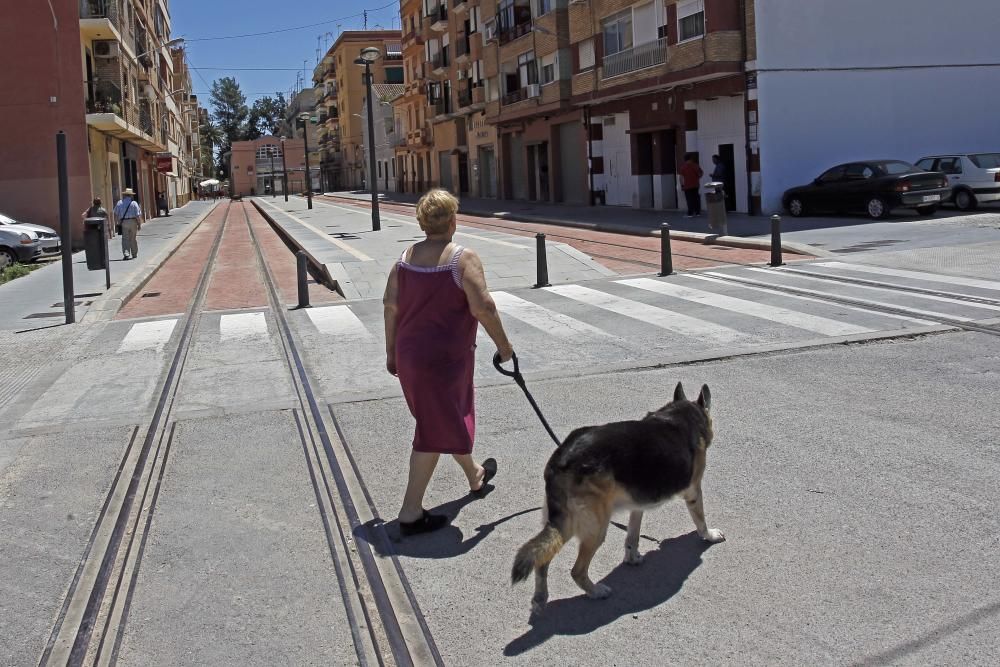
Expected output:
(874, 187)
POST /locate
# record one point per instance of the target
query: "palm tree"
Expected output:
(211, 138)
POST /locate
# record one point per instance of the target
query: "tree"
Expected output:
(265, 116)
(230, 114)
(211, 138)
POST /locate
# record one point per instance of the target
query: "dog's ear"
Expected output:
(679, 393)
(705, 398)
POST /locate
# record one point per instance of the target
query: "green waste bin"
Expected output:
(95, 243)
(715, 200)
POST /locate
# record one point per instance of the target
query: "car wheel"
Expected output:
(877, 208)
(927, 210)
(796, 207)
(7, 258)
(965, 200)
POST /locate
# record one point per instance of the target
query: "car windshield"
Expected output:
(986, 160)
(894, 167)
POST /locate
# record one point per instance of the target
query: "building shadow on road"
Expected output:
(634, 589)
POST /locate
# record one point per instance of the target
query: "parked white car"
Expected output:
(47, 237)
(974, 177)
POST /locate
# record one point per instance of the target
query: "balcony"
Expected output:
(439, 18)
(526, 93)
(462, 49)
(109, 112)
(508, 32)
(439, 62)
(99, 19)
(442, 107)
(638, 57)
(460, 6)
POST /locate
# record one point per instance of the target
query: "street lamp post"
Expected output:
(304, 117)
(369, 56)
(270, 150)
(284, 171)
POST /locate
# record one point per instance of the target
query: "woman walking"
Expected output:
(435, 298)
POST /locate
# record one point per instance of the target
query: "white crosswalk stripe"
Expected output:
(660, 317)
(147, 336)
(338, 321)
(542, 318)
(242, 326)
(793, 318)
(872, 302)
(914, 275)
(757, 288)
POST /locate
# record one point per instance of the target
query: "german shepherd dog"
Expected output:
(636, 465)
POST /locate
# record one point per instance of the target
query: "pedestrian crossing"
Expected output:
(633, 317)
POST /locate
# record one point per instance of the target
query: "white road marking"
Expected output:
(338, 321)
(325, 236)
(660, 317)
(747, 282)
(239, 326)
(916, 275)
(793, 318)
(539, 317)
(147, 336)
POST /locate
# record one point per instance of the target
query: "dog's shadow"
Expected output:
(447, 542)
(633, 589)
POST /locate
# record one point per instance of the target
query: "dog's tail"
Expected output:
(543, 547)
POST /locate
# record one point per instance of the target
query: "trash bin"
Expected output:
(95, 243)
(715, 199)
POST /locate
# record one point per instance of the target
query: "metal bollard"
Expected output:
(300, 261)
(543, 267)
(776, 240)
(666, 257)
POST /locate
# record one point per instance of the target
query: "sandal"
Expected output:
(425, 524)
(490, 466)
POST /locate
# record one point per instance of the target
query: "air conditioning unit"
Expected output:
(106, 48)
(534, 90)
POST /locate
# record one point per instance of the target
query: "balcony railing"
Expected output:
(636, 58)
(442, 107)
(464, 98)
(438, 13)
(439, 61)
(514, 97)
(509, 34)
(104, 97)
(462, 47)
(99, 9)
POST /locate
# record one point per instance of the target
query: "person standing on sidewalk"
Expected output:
(435, 299)
(97, 210)
(691, 175)
(129, 215)
(161, 204)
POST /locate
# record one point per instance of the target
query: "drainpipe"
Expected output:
(746, 106)
(590, 153)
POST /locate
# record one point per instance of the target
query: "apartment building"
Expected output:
(413, 155)
(344, 90)
(306, 101)
(102, 72)
(188, 148)
(259, 167)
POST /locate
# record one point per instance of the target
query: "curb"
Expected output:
(793, 247)
(333, 274)
(105, 307)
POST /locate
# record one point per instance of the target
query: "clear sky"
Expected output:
(290, 50)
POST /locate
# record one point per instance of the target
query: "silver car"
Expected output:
(47, 237)
(17, 245)
(974, 178)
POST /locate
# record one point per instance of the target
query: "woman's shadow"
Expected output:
(447, 542)
(634, 589)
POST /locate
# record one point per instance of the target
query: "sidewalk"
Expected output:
(744, 230)
(339, 239)
(35, 301)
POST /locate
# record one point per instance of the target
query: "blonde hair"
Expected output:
(435, 211)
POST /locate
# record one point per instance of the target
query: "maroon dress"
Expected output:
(435, 355)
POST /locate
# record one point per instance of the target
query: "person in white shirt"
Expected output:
(129, 216)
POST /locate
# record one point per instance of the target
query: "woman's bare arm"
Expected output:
(481, 303)
(390, 306)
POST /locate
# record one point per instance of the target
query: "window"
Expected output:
(617, 31)
(895, 167)
(550, 68)
(690, 19)
(832, 175)
(858, 172)
(542, 7)
(927, 164)
(473, 21)
(986, 160)
(950, 165)
(586, 53)
(394, 75)
(527, 69)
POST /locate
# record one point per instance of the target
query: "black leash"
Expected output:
(519, 379)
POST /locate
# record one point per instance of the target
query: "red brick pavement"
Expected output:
(172, 287)
(622, 253)
(236, 281)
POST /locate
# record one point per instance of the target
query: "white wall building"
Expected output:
(388, 134)
(857, 79)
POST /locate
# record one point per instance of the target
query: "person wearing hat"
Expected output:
(129, 216)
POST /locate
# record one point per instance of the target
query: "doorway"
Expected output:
(487, 173)
(728, 157)
(463, 173)
(538, 172)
